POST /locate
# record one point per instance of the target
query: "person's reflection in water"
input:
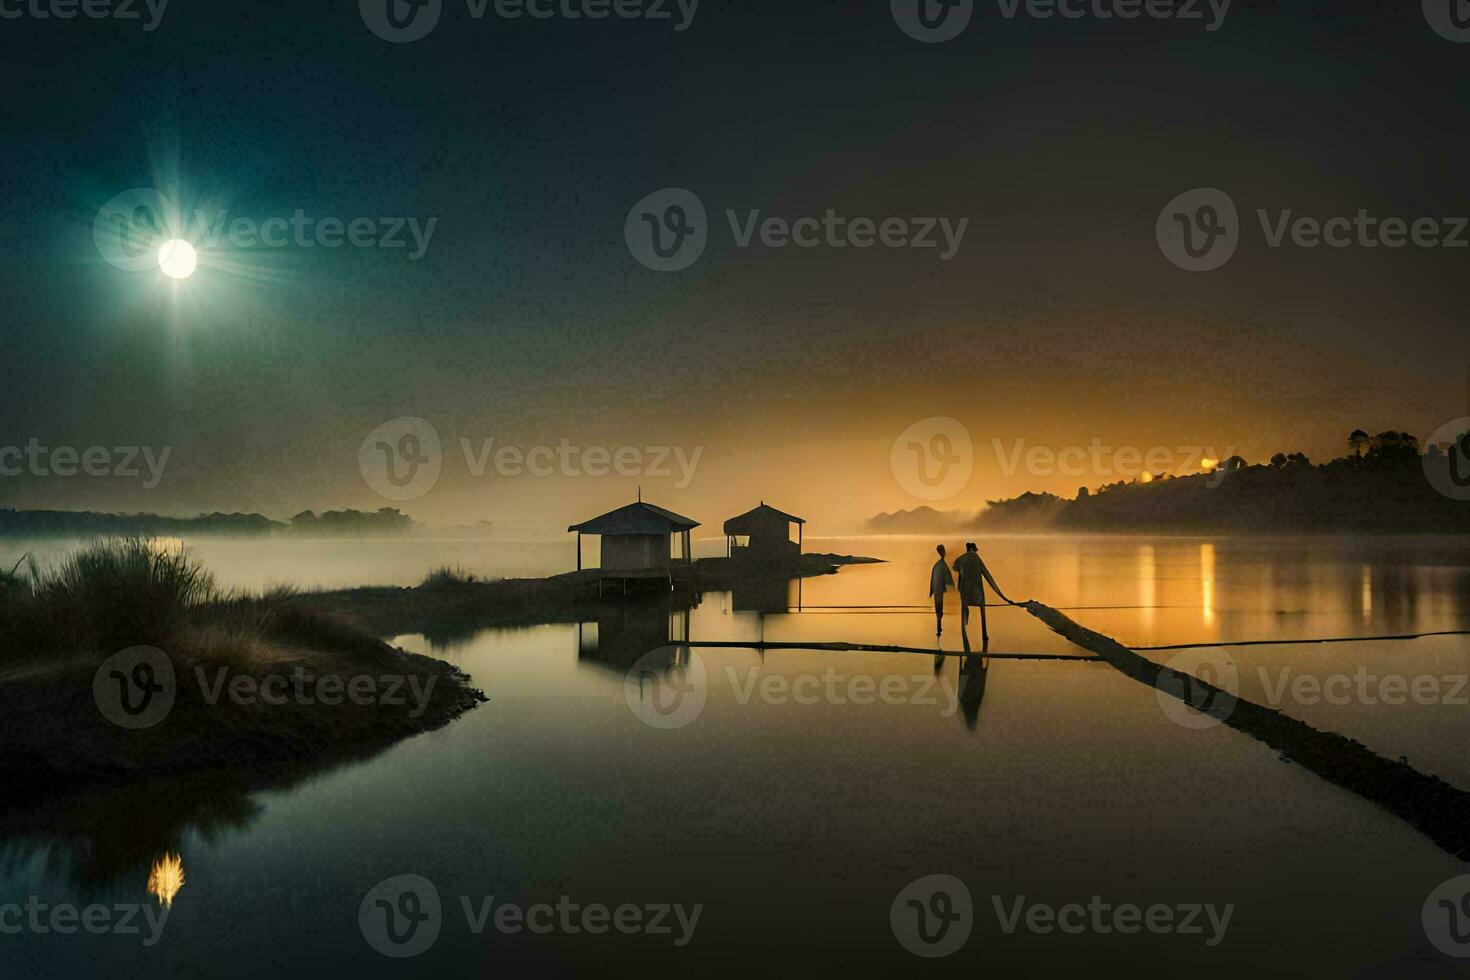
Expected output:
(973, 673)
(974, 669)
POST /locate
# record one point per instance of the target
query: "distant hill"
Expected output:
(920, 520)
(1363, 495)
(387, 520)
(86, 524)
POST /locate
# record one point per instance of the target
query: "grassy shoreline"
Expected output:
(230, 679)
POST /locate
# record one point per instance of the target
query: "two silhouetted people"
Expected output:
(972, 578)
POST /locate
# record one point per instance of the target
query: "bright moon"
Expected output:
(177, 259)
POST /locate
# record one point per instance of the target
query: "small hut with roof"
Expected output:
(763, 534)
(637, 542)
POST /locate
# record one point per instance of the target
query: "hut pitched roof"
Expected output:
(742, 523)
(638, 518)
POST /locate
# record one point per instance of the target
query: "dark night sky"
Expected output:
(1058, 322)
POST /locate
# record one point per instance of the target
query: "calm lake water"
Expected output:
(810, 788)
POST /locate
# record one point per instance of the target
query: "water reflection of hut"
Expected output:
(763, 595)
(627, 631)
(637, 543)
(765, 533)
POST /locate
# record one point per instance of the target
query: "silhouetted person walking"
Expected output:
(973, 576)
(940, 581)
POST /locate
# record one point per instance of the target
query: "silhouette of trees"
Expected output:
(1357, 442)
(1378, 486)
(1391, 445)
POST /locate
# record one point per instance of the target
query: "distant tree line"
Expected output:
(1380, 485)
(56, 523)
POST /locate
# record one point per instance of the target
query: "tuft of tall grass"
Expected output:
(120, 592)
(16, 583)
(447, 576)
